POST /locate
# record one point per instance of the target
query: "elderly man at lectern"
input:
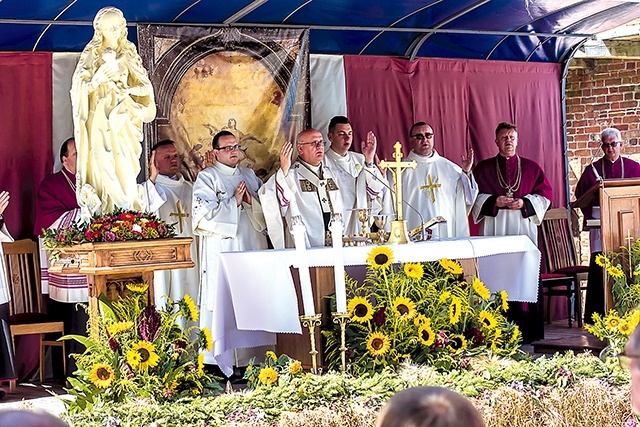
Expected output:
(112, 97)
(611, 165)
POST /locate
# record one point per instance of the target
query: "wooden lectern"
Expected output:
(619, 201)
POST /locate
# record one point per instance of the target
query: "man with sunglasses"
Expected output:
(227, 214)
(437, 186)
(610, 166)
(304, 188)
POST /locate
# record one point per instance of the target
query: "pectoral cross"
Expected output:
(180, 214)
(431, 186)
(396, 169)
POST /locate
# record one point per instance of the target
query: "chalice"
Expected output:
(363, 217)
(380, 221)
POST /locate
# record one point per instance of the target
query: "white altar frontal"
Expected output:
(256, 297)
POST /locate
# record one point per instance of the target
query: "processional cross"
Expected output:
(180, 214)
(431, 186)
(397, 168)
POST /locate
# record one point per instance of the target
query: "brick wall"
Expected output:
(600, 93)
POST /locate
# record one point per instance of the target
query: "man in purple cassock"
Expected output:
(514, 195)
(56, 208)
(611, 166)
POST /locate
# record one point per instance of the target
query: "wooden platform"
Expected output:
(558, 337)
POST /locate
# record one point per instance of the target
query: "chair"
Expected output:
(23, 273)
(563, 275)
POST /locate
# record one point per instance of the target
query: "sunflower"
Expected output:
(515, 335)
(425, 334)
(271, 355)
(615, 272)
(419, 320)
(612, 321)
(454, 310)
(138, 288)
(142, 355)
(205, 336)
(268, 376)
(504, 304)
(190, 306)
(404, 308)
(601, 260)
(360, 309)
(480, 289)
(295, 367)
(414, 270)
(451, 266)
(487, 319)
(457, 343)
(118, 327)
(101, 375)
(378, 344)
(200, 363)
(444, 296)
(380, 257)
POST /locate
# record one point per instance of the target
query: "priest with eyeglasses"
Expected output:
(610, 166)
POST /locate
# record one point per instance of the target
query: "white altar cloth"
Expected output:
(255, 297)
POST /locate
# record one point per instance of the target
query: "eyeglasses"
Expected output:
(316, 144)
(229, 148)
(612, 144)
(422, 136)
(624, 360)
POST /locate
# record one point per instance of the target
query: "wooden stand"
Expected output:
(619, 201)
(109, 266)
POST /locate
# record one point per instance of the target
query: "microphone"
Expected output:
(393, 191)
(593, 168)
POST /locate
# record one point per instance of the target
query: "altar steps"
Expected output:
(558, 337)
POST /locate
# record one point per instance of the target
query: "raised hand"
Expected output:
(467, 160)
(285, 157)
(153, 169)
(4, 201)
(369, 147)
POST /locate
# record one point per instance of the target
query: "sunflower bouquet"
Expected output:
(272, 370)
(422, 312)
(614, 328)
(141, 352)
(624, 270)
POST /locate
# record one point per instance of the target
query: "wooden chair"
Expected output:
(562, 274)
(23, 273)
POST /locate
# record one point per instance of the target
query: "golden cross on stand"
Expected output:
(180, 214)
(396, 168)
(431, 186)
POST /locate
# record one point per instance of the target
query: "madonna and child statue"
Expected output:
(112, 97)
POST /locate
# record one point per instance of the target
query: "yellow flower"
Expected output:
(504, 304)
(119, 327)
(515, 336)
(101, 375)
(206, 336)
(425, 334)
(142, 356)
(200, 362)
(268, 376)
(271, 355)
(380, 257)
(480, 289)
(457, 343)
(419, 320)
(414, 270)
(612, 321)
(601, 260)
(625, 328)
(191, 307)
(404, 308)
(295, 367)
(444, 296)
(615, 272)
(487, 319)
(139, 288)
(360, 309)
(378, 344)
(454, 310)
(451, 266)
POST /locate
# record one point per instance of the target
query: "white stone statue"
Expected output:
(112, 97)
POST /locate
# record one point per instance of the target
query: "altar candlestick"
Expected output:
(338, 264)
(297, 229)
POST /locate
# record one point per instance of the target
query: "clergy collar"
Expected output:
(334, 154)
(424, 159)
(226, 170)
(68, 173)
(314, 169)
(504, 159)
(611, 162)
(168, 180)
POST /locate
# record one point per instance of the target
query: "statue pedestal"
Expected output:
(109, 266)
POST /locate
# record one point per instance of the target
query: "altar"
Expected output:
(256, 298)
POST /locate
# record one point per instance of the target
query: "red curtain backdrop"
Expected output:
(463, 100)
(25, 134)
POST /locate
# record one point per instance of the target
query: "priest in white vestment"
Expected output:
(305, 188)
(437, 186)
(514, 197)
(227, 214)
(170, 198)
(360, 181)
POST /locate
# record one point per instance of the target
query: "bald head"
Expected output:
(29, 419)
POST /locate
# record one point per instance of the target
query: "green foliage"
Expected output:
(273, 370)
